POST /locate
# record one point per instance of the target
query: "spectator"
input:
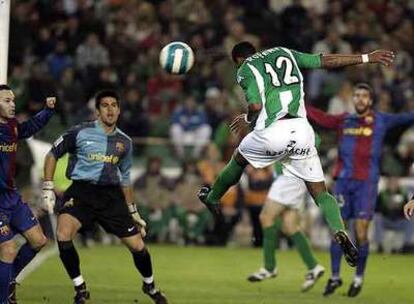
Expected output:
(236, 33)
(18, 82)
(195, 218)
(44, 43)
(154, 193)
(59, 60)
(342, 101)
(72, 94)
(259, 182)
(189, 127)
(214, 106)
(390, 214)
(91, 53)
(72, 34)
(320, 79)
(135, 120)
(163, 90)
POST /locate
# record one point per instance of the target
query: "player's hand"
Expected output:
(409, 209)
(239, 123)
(139, 222)
(382, 56)
(48, 196)
(50, 102)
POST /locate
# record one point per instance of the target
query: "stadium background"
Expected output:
(72, 48)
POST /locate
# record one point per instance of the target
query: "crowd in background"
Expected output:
(72, 48)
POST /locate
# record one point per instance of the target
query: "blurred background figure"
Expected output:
(189, 127)
(390, 216)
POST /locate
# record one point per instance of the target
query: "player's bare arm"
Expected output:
(243, 120)
(383, 57)
(49, 167)
(409, 209)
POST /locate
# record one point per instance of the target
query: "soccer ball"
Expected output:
(177, 58)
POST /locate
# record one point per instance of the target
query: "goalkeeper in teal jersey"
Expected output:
(273, 85)
(285, 199)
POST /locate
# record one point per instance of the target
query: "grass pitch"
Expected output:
(200, 275)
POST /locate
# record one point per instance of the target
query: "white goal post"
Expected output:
(4, 38)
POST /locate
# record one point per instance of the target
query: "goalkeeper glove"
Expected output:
(139, 222)
(49, 196)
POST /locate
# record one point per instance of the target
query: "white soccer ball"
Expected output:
(177, 58)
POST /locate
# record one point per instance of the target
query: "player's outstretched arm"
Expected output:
(37, 122)
(383, 57)
(394, 120)
(409, 209)
(323, 119)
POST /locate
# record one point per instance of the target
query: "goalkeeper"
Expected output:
(100, 159)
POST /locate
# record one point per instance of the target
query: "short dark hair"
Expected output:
(242, 49)
(365, 86)
(5, 87)
(106, 93)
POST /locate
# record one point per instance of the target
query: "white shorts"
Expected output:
(290, 141)
(288, 191)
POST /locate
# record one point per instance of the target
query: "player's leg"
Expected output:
(7, 256)
(67, 228)
(142, 261)
(331, 213)
(304, 163)
(228, 177)
(22, 220)
(115, 219)
(364, 207)
(291, 219)
(343, 193)
(271, 223)
(76, 213)
(253, 149)
(328, 205)
(361, 234)
(36, 240)
(335, 280)
(310, 170)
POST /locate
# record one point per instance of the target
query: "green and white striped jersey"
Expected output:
(272, 77)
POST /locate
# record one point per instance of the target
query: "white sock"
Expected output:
(358, 280)
(148, 280)
(335, 277)
(78, 281)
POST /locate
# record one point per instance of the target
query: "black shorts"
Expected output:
(105, 205)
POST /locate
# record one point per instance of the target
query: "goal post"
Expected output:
(4, 39)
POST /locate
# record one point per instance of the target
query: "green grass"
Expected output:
(202, 275)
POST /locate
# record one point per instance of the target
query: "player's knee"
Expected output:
(8, 252)
(136, 245)
(316, 188)
(64, 234)
(265, 219)
(290, 229)
(40, 242)
(361, 236)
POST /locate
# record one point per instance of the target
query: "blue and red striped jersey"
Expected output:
(360, 140)
(10, 133)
